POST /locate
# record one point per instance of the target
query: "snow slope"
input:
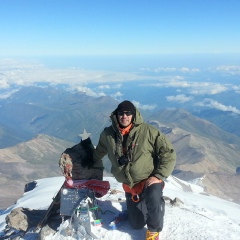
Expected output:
(200, 217)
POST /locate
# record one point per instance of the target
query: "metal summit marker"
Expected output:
(85, 135)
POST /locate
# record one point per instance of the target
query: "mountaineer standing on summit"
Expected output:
(142, 158)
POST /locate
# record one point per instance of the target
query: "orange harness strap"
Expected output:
(135, 190)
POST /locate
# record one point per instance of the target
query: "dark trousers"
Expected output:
(149, 210)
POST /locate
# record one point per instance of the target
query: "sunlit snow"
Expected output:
(200, 217)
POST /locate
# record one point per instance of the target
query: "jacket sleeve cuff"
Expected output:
(160, 177)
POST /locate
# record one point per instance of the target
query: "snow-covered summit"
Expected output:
(199, 217)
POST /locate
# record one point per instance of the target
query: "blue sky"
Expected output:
(99, 27)
(69, 30)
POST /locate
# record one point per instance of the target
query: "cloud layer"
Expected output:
(187, 82)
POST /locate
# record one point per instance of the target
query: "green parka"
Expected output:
(149, 151)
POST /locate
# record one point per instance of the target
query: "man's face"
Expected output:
(125, 118)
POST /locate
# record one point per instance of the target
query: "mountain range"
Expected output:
(38, 124)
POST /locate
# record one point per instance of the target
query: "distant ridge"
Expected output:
(35, 159)
(227, 120)
(58, 113)
(185, 120)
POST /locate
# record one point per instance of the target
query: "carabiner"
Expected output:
(135, 200)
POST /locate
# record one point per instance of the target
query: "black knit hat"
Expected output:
(126, 106)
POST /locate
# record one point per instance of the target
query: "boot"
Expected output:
(152, 235)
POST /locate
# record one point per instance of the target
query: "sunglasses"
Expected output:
(128, 113)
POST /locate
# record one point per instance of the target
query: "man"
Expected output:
(142, 158)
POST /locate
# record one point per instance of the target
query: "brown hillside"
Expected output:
(26, 162)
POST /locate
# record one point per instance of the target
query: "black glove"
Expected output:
(87, 161)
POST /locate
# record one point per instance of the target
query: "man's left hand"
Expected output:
(152, 180)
